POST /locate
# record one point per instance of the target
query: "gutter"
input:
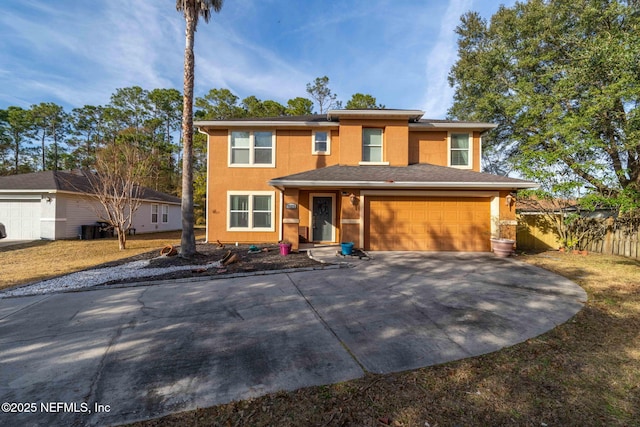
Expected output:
(481, 127)
(80, 193)
(212, 124)
(403, 184)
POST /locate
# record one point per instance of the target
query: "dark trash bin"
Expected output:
(89, 232)
(104, 230)
(3, 231)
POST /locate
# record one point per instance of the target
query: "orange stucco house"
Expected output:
(383, 179)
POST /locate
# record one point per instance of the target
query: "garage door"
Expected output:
(428, 224)
(21, 218)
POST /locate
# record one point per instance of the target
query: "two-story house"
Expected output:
(383, 179)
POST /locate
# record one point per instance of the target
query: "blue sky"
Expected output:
(77, 52)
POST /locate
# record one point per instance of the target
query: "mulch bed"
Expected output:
(268, 258)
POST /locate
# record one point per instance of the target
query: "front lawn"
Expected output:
(585, 372)
(30, 262)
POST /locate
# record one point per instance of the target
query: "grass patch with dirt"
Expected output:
(43, 259)
(585, 372)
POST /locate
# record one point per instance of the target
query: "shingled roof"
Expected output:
(73, 182)
(412, 176)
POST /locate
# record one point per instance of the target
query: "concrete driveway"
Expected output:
(12, 242)
(146, 351)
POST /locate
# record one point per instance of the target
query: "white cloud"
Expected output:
(439, 95)
(81, 52)
(225, 59)
(137, 44)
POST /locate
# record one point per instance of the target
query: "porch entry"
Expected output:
(322, 217)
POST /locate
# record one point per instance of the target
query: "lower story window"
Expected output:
(165, 214)
(154, 214)
(252, 211)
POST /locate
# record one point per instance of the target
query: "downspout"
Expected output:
(480, 153)
(206, 205)
(281, 215)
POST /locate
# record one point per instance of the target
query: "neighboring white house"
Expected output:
(51, 205)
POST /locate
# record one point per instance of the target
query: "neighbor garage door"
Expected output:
(427, 224)
(21, 218)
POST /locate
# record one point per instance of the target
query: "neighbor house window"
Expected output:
(154, 214)
(165, 214)
(321, 142)
(460, 150)
(251, 211)
(372, 145)
(251, 148)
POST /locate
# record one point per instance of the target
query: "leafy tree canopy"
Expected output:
(324, 97)
(299, 106)
(562, 80)
(253, 107)
(360, 101)
(221, 104)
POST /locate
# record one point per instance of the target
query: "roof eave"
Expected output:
(373, 113)
(12, 191)
(226, 124)
(481, 127)
(402, 184)
(80, 193)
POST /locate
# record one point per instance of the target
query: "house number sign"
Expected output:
(292, 206)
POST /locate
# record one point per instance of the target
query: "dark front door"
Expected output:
(322, 219)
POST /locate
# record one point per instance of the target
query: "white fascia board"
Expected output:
(82, 194)
(27, 191)
(482, 127)
(408, 114)
(226, 124)
(398, 184)
(160, 202)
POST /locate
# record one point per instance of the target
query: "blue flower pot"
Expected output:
(347, 248)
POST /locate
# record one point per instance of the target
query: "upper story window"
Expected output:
(252, 148)
(321, 141)
(460, 150)
(371, 145)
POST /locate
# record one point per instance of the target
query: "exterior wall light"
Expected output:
(354, 200)
(510, 200)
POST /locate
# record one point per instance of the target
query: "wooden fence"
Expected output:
(535, 233)
(617, 242)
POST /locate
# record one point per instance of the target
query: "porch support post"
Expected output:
(291, 217)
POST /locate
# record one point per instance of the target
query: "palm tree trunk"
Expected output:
(188, 240)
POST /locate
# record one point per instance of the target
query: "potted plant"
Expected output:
(503, 248)
(285, 247)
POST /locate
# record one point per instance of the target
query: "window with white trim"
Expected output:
(165, 214)
(372, 145)
(154, 213)
(252, 148)
(460, 150)
(250, 211)
(321, 142)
